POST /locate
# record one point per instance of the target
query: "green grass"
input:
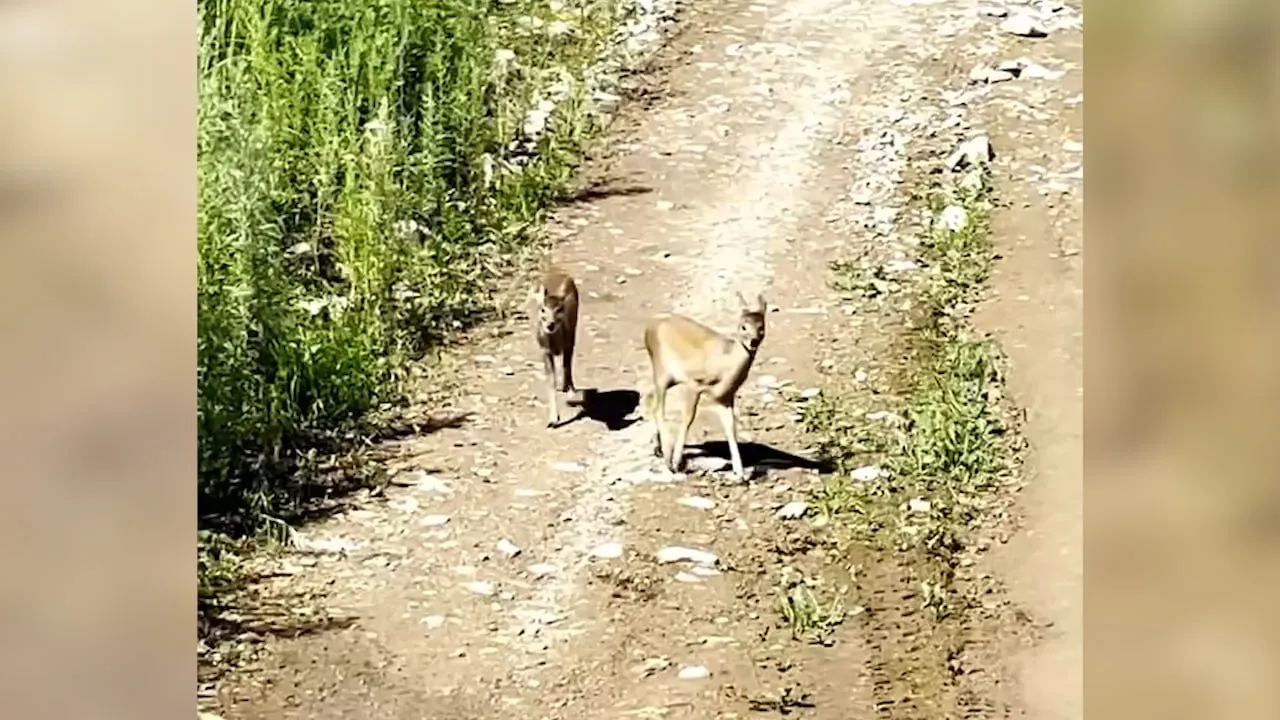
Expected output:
(364, 173)
(946, 461)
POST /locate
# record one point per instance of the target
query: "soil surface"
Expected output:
(512, 570)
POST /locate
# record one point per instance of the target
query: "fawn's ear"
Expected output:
(742, 301)
(761, 305)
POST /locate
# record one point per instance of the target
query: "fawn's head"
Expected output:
(751, 325)
(551, 315)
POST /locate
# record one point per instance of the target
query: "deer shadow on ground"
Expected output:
(612, 408)
(606, 188)
(761, 456)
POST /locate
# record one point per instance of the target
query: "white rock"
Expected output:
(674, 553)
(810, 393)
(486, 359)
(480, 587)
(434, 520)
(696, 502)
(989, 75)
(974, 151)
(792, 510)
(508, 548)
(918, 505)
(607, 551)
(1040, 72)
(860, 376)
(542, 569)
(693, 672)
(953, 218)
(1024, 26)
(433, 622)
(767, 381)
(325, 545)
(867, 473)
(707, 463)
(1073, 146)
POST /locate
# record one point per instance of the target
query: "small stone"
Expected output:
(810, 393)
(696, 502)
(693, 672)
(607, 551)
(918, 505)
(480, 587)
(665, 205)
(974, 151)
(652, 666)
(867, 473)
(433, 622)
(434, 520)
(539, 570)
(953, 218)
(989, 75)
(673, 553)
(792, 510)
(860, 376)
(1040, 72)
(1024, 26)
(486, 359)
(508, 548)
(1073, 146)
(707, 463)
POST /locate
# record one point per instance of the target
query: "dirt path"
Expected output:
(1037, 314)
(778, 150)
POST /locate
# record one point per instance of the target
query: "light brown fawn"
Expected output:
(556, 330)
(706, 363)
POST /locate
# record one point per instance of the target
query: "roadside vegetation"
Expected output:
(366, 171)
(919, 479)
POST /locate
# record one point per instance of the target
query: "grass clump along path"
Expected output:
(365, 170)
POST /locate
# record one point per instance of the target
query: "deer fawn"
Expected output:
(685, 352)
(556, 331)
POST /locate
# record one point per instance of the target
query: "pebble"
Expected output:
(508, 548)
(696, 502)
(434, 520)
(974, 151)
(542, 569)
(990, 75)
(693, 672)
(793, 510)
(810, 393)
(433, 622)
(607, 551)
(918, 505)
(953, 218)
(867, 473)
(673, 553)
(480, 587)
(707, 463)
(1023, 26)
